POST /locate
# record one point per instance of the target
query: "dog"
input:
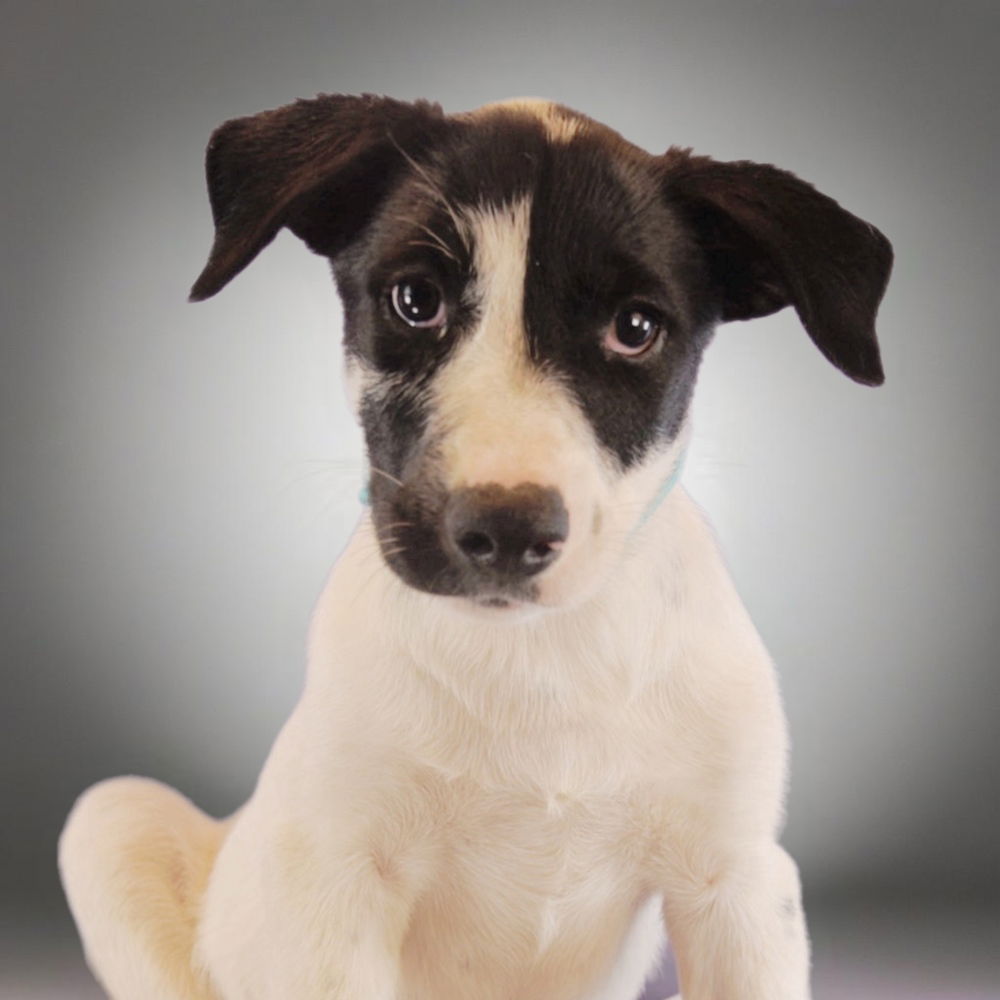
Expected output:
(538, 725)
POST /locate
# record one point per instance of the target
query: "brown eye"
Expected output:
(418, 302)
(633, 332)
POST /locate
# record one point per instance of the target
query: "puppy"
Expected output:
(538, 725)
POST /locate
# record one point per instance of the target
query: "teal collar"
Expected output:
(664, 491)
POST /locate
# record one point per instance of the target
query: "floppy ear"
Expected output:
(318, 167)
(772, 240)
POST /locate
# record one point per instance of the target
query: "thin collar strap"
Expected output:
(664, 491)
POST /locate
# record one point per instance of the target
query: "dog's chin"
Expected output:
(497, 610)
(551, 595)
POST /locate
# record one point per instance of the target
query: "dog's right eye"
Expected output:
(418, 302)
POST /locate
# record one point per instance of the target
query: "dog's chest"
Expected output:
(533, 893)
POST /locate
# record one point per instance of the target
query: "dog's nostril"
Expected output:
(541, 552)
(478, 546)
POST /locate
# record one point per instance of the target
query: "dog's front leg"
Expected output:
(315, 906)
(336, 941)
(737, 928)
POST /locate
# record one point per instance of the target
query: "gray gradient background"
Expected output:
(177, 479)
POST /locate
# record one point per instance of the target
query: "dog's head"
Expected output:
(527, 298)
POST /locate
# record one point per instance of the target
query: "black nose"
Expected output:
(507, 532)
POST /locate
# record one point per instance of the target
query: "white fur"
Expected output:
(449, 787)
(491, 806)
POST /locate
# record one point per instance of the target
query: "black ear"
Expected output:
(318, 167)
(772, 240)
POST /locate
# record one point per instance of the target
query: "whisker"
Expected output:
(392, 479)
(432, 246)
(436, 237)
(434, 189)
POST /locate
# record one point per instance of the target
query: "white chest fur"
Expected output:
(520, 794)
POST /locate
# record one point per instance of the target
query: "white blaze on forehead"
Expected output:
(498, 418)
(559, 126)
(500, 237)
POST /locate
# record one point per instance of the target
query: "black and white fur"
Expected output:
(538, 723)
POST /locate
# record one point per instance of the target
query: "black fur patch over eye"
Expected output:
(601, 244)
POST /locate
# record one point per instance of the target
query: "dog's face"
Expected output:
(524, 317)
(527, 297)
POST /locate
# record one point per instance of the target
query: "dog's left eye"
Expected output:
(418, 302)
(632, 332)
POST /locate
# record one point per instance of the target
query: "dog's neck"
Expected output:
(570, 661)
(532, 697)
